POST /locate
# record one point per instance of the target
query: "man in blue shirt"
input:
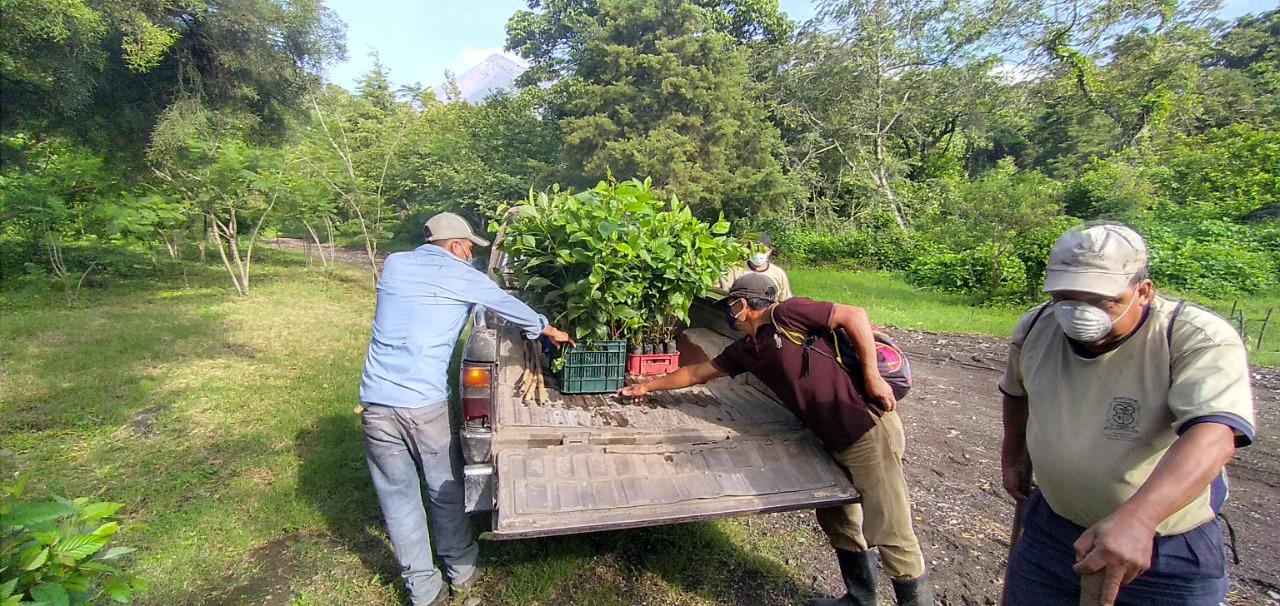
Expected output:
(424, 299)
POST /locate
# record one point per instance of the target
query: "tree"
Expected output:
(554, 34)
(233, 186)
(655, 90)
(105, 71)
(865, 75)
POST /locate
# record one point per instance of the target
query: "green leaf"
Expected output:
(38, 561)
(81, 546)
(28, 515)
(6, 589)
(51, 594)
(116, 552)
(119, 590)
(99, 566)
(97, 511)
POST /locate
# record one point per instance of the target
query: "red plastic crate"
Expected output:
(652, 364)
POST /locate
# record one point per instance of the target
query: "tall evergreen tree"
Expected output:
(657, 89)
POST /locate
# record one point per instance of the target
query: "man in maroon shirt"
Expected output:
(855, 420)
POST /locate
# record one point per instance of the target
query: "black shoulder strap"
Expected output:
(1036, 318)
(1168, 333)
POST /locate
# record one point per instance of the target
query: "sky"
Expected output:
(417, 40)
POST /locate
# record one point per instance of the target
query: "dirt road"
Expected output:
(952, 419)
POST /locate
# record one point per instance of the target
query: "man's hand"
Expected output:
(1119, 547)
(1015, 469)
(881, 393)
(635, 391)
(558, 337)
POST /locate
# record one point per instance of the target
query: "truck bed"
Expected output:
(578, 463)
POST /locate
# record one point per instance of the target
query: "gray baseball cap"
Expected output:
(754, 286)
(448, 226)
(1102, 259)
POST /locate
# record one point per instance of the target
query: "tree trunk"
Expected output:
(316, 238)
(215, 238)
(328, 225)
(253, 237)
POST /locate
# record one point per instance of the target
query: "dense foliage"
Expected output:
(616, 261)
(949, 141)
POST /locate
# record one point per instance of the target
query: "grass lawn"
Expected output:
(892, 302)
(226, 426)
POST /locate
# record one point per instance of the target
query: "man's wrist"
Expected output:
(1135, 512)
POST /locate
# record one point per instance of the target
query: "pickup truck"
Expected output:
(544, 463)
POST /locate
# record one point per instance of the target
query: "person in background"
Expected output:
(425, 297)
(760, 261)
(855, 421)
(1127, 407)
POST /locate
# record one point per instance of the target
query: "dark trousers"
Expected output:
(1187, 569)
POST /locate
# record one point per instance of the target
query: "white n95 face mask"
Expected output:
(1084, 322)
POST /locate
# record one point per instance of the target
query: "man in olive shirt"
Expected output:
(1127, 406)
(853, 417)
(760, 261)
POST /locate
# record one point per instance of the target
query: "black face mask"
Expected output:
(731, 317)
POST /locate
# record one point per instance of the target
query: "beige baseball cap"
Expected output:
(1101, 259)
(448, 226)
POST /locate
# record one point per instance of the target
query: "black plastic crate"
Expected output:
(595, 367)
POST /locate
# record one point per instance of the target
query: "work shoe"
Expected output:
(858, 569)
(463, 587)
(442, 598)
(914, 592)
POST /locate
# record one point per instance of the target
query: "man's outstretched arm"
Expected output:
(685, 377)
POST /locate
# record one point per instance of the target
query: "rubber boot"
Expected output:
(914, 592)
(858, 569)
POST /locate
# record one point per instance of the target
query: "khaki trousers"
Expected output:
(883, 519)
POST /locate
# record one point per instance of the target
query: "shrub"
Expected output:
(1111, 189)
(615, 261)
(52, 552)
(1210, 257)
(980, 270)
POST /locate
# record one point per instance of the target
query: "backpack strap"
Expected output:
(1168, 332)
(806, 342)
(1036, 318)
(1173, 317)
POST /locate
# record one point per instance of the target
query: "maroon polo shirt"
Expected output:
(826, 400)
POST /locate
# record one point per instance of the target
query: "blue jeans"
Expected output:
(400, 444)
(1187, 569)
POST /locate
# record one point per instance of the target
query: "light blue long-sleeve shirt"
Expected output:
(424, 298)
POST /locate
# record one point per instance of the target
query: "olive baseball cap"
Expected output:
(448, 226)
(1102, 260)
(754, 286)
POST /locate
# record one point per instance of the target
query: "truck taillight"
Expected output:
(477, 391)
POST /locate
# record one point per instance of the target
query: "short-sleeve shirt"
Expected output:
(775, 273)
(825, 399)
(1098, 426)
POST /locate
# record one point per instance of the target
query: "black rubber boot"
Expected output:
(914, 592)
(858, 569)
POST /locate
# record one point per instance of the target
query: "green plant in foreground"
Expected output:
(51, 552)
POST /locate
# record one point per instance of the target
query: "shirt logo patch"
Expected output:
(1122, 421)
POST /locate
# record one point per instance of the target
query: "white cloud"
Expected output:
(472, 57)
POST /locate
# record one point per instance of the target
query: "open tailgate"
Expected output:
(571, 488)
